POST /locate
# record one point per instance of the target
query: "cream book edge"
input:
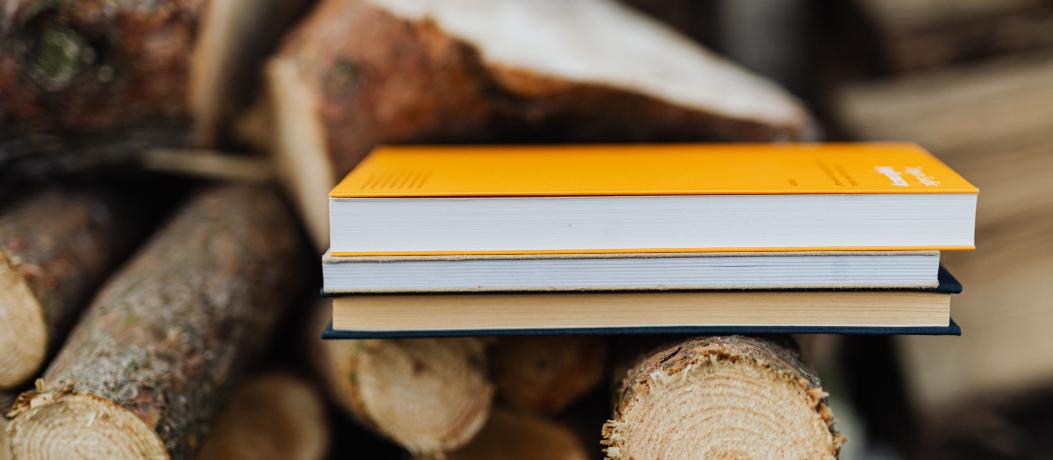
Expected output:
(640, 310)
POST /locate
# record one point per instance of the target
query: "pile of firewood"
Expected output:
(149, 317)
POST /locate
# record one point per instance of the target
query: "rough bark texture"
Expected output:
(274, 416)
(144, 370)
(545, 374)
(56, 247)
(354, 75)
(428, 395)
(86, 65)
(518, 436)
(721, 397)
(919, 34)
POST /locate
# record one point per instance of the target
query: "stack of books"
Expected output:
(733, 238)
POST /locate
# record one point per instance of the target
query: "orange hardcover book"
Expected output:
(424, 200)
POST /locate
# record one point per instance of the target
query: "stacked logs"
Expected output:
(145, 357)
(150, 358)
(147, 368)
(56, 247)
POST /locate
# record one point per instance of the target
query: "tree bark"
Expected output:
(721, 397)
(56, 247)
(145, 368)
(359, 73)
(546, 374)
(274, 416)
(518, 436)
(78, 66)
(427, 395)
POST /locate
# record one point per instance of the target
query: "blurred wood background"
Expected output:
(160, 104)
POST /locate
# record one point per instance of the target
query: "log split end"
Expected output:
(63, 424)
(721, 397)
(23, 333)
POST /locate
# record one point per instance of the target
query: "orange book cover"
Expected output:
(662, 169)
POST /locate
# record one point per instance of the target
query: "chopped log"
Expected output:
(518, 436)
(919, 34)
(427, 395)
(721, 397)
(545, 374)
(75, 66)
(90, 89)
(272, 416)
(56, 247)
(357, 73)
(145, 368)
(992, 123)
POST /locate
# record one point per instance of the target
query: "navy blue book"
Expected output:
(827, 311)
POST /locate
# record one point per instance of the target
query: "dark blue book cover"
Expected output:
(948, 285)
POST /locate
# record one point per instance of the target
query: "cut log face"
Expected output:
(273, 416)
(58, 430)
(428, 395)
(518, 436)
(359, 73)
(546, 374)
(721, 397)
(55, 249)
(145, 368)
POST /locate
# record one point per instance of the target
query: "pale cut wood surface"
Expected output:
(429, 396)
(721, 397)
